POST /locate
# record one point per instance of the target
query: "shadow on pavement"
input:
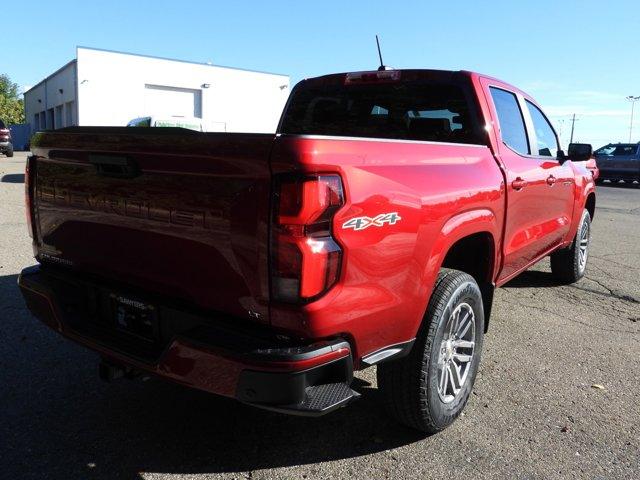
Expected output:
(13, 178)
(533, 279)
(60, 421)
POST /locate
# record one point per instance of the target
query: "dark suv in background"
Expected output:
(619, 161)
(6, 146)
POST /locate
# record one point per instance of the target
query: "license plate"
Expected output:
(135, 317)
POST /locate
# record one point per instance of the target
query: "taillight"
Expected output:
(28, 170)
(305, 259)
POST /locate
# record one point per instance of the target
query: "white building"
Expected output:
(101, 87)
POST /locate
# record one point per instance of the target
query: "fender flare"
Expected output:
(462, 225)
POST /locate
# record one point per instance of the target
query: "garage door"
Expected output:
(170, 101)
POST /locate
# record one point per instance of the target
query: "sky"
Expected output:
(572, 56)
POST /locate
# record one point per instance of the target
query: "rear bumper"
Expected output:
(195, 349)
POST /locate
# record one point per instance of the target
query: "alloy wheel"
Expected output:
(456, 352)
(583, 247)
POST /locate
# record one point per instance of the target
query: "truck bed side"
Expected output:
(440, 193)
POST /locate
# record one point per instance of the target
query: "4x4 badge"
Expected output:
(360, 223)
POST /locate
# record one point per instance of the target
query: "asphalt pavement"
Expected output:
(557, 394)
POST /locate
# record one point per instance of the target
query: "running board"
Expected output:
(319, 400)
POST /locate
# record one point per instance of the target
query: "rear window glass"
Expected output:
(406, 111)
(2, 125)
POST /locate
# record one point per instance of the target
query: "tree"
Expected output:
(11, 105)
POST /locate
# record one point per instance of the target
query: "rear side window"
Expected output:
(407, 111)
(545, 136)
(512, 127)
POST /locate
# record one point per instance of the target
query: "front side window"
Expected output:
(512, 128)
(545, 136)
(612, 150)
(624, 150)
(606, 150)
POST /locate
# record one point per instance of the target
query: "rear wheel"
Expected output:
(9, 151)
(570, 264)
(429, 388)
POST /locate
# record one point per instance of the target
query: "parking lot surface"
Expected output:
(557, 395)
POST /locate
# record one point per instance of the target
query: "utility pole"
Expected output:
(573, 124)
(633, 100)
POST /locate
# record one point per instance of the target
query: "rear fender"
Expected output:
(455, 229)
(584, 186)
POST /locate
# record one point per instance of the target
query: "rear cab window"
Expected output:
(411, 108)
(512, 128)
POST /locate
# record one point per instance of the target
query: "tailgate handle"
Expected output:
(114, 166)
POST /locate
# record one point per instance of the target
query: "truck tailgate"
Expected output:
(166, 211)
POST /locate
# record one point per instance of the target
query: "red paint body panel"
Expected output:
(441, 193)
(194, 224)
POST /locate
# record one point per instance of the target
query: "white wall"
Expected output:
(46, 95)
(111, 90)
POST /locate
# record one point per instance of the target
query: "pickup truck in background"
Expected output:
(371, 229)
(618, 161)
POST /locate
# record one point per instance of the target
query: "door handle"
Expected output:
(519, 184)
(551, 180)
(114, 166)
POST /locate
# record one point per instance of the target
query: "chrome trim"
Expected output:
(396, 350)
(375, 139)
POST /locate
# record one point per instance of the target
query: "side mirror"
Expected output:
(579, 152)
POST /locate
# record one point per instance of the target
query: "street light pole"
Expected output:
(633, 100)
(573, 123)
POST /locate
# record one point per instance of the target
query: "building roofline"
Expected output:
(64, 67)
(177, 60)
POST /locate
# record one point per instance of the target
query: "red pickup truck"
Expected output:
(371, 229)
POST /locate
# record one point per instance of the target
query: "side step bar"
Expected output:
(319, 400)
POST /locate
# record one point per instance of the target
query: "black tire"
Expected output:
(409, 385)
(600, 181)
(566, 264)
(9, 152)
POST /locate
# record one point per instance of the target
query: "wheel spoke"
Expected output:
(463, 358)
(444, 380)
(453, 325)
(464, 326)
(463, 344)
(456, 381)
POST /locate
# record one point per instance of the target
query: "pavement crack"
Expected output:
(612, 292)
(573, 320)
